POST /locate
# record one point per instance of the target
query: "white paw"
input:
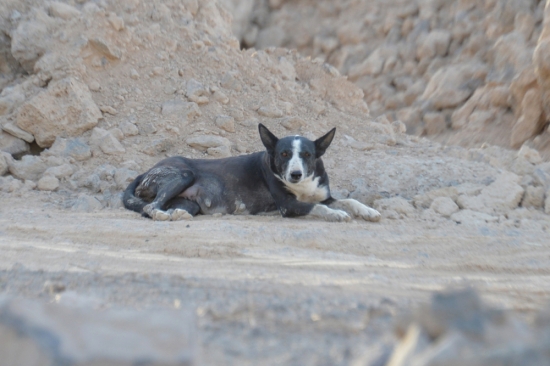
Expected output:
(338, 216)
(179, 214)
(369, 214)
(329, 214)
(358, 209)
(159, 215)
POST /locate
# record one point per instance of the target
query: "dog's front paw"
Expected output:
(330, 214)
(338, 216)
(369, 214)
(159, 215)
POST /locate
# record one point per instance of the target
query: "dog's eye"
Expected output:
(284, 154)
(307, 155)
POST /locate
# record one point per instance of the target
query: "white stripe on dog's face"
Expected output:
(295, 164)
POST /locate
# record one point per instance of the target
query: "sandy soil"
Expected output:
(266, 289)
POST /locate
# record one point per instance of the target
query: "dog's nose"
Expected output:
(296, 175)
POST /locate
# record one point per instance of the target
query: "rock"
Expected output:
(63, 11)
(104, 140)
(158, 146)
(270, 111)
(108, 109)
(128, 128)
(162, 337)
(113, 201)
(11, 99)
(444, 206)
(3, 165)
(472, 218)
(65, 109)
(395, 205)
(181, 108)
(288, 72)
(106, 48)
(10, 184)
(292, 123)
(534, 197)
(226, 123)
(31, 39)
(436, 43)
(399, 127)
(452, 85)
(86, 203)
(531, 120)
(547, 202)
(196, 92)
(61, 171)
(17, 132)
(116, 22)
(460, 310)
(541, 178)
(220, 96)
(541, 60)
(502, 195)
(106, 172)
(124, 176)
(203, 142)
(230, 81)
(425, 200)
(117, 133)
(48, 183)
(74, 148)
(371, 66)
(134, 74)
(531, 155)
(12, 145)
(219, 152)
(29, 167)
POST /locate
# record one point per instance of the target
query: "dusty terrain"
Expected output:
(93, 93)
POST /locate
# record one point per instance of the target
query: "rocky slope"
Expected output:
(461, 72)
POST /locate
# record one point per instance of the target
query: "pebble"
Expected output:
(226, 123)
(48, 183)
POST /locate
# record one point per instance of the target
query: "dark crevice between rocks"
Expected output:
(34, 149)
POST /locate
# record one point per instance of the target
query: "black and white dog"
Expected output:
(289, 177)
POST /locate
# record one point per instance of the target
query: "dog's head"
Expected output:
(294, 157)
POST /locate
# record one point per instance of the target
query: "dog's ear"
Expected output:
(268, 139)
(323, 142)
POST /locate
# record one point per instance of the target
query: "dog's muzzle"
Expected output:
(295, 176)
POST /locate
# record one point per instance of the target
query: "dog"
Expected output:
(289, 177)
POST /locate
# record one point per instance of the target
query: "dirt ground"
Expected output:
(267, 290)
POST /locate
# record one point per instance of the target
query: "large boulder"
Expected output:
(65, 109)
(452, 85)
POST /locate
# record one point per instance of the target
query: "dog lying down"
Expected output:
(289, 176)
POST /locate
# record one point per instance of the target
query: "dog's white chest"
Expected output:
(308, 190)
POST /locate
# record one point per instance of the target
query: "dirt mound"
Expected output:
(460, 72)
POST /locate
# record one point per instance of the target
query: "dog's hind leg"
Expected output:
(356, 209)
(182, 209)
(169, 182)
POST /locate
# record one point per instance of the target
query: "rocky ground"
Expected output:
(94, 93)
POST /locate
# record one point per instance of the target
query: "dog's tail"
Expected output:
(131, 202)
